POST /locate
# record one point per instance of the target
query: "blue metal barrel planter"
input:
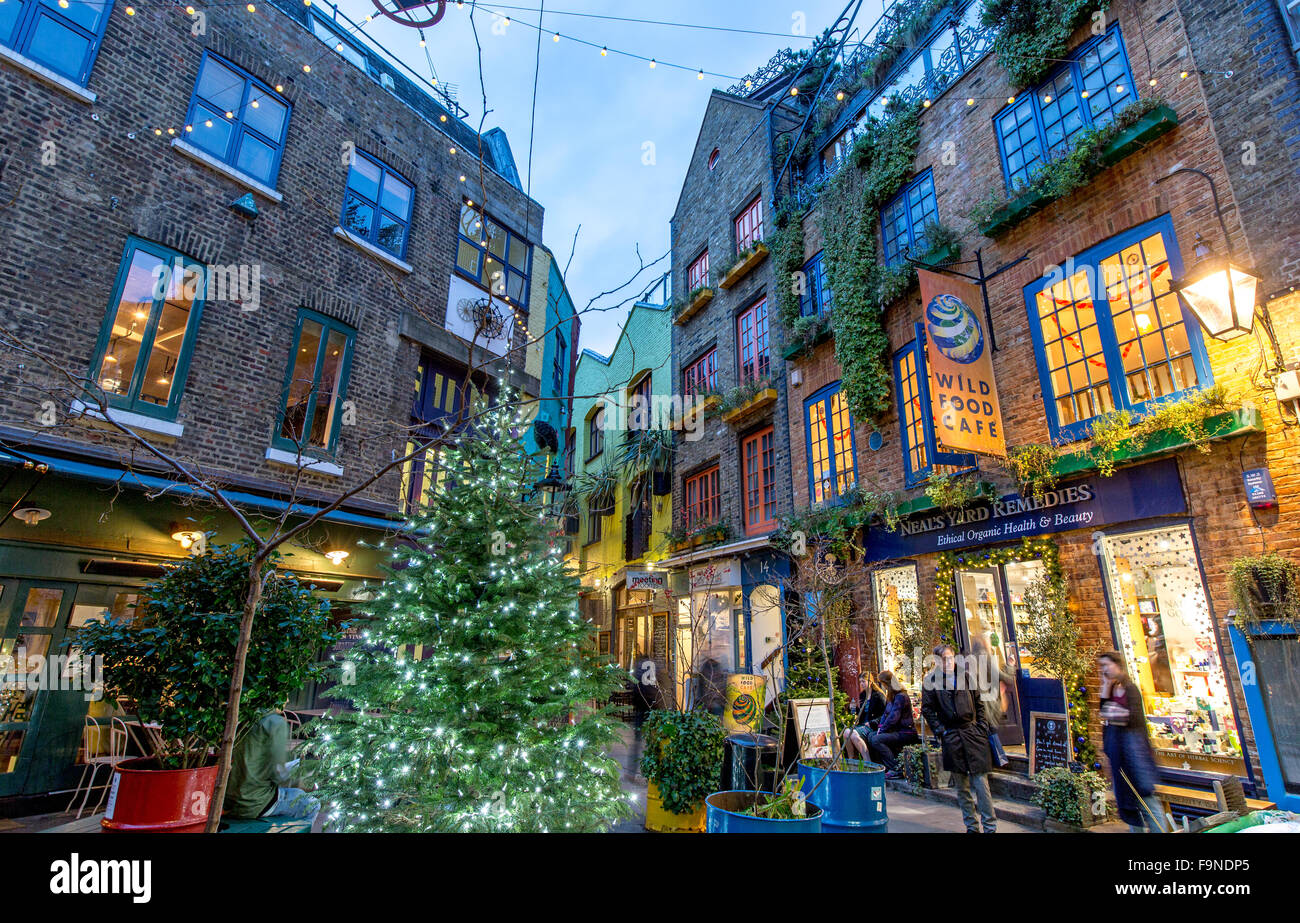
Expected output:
(853, 799)
(722, 813)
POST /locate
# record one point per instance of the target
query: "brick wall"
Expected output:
(68, 222)
(709, 203)
(1259, 209)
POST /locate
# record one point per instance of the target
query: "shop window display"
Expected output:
(893, 587)
(1163, 623)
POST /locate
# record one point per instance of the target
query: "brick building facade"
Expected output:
(350, 196)
(725, 347)
(1153, 583)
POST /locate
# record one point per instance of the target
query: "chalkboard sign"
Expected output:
(1049, 741)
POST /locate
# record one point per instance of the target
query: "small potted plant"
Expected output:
(1265, 587)
(683, 763)
(175, 660)
(1071, 798)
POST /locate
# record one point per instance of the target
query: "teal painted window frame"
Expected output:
(328, 324)
(131, 401)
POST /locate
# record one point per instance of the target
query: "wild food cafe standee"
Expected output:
(1135, 581)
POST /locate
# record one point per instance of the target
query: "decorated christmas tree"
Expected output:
(473, 682)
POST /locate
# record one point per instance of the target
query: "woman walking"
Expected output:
(1128, 748)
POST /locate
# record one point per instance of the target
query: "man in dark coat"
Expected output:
(950, 703)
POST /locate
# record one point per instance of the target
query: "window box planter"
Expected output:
(940, 256)
(694, 306)
(1238, 422)
(755, 405)
(711, 401)
(801, 347)
(709, 535)
(1015, 211)
(747, 262)
(1150, 126)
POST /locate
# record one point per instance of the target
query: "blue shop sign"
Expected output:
(1129, 494)
(1259, 488)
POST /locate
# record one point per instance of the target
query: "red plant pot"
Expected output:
(146, 799)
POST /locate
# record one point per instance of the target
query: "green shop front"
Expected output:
(79, 541)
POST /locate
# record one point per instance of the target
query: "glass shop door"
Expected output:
(33, 616)
(986, 629)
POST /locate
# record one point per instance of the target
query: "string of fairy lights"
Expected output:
(501, 13)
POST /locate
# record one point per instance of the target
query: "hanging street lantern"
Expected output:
(1221, 294)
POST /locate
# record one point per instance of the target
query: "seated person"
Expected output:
(260, 772)
(871, 705)
(896, 728)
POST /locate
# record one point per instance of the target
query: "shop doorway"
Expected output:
(992, 603)
(33, 618)
(987, 631)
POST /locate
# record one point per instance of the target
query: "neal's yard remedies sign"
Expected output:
(1129, 494)
(963, 394)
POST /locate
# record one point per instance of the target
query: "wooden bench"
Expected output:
(1211, 801)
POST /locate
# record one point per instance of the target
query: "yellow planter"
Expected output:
(660, 820)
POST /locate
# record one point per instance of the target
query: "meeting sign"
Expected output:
(1090, 503)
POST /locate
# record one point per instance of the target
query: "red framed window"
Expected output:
(749, 225)
(697, 274)
(753, 342)
(759, 454)
(701, 376)
(703, 501)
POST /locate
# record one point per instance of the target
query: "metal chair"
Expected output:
(116, 753)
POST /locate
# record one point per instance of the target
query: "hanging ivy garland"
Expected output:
(849, 216)
(1033, 35)
(1030, 549)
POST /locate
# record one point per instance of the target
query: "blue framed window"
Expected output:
(832, 447)
(316, 384)
(494, 257)
(377, 204)
(237, 119)
(65, 38)
(1111, 335)
(144, 348)
(922, 454)
(903, 221)
(1084, 93)
(815, 299)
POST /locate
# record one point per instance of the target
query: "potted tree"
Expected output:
(850, 792)
(682, 763)
(175, 659)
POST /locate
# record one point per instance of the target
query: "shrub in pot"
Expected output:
(683, 762)
(175, 660)
(1071, 796)
(1265, 587)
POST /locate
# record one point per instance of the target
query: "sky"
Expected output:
(612, 137)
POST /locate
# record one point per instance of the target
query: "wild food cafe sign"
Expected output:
(1095, 501)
